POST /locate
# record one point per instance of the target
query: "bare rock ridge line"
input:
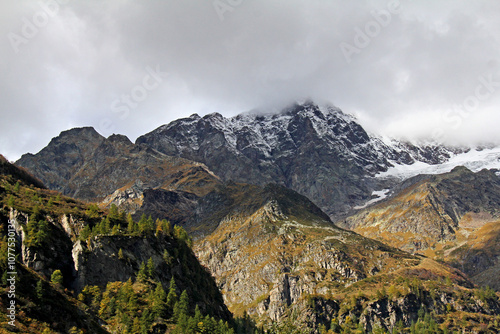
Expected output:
(317, 151)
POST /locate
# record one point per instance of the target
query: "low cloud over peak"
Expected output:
(404, 68)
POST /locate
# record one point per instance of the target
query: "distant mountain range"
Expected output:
(318, 151)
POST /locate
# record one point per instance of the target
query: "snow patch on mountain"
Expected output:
(475, 160)
(381, 194)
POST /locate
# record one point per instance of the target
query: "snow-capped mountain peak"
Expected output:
(319, 151)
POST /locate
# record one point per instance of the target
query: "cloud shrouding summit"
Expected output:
(404, 68)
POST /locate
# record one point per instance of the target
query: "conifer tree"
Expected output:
(39, 290)
(198, 317)
(172, 294)
(130, 224)
(142, 223)
(105, 226)
(85, 233)
(167, 257)
(142, 274)
(181, 308)
(114, 214)
(150, 268)
(115, 230)
(159, 301)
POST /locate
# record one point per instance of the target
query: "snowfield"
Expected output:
(475, 160)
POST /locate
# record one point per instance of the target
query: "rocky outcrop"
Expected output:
(47, 229)
(432, 210)
(53, 254)
(99, 262)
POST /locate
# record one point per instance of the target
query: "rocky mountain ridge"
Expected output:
(317, 151)
(281, 260)
(83, 164)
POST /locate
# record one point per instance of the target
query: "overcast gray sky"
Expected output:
(416, 69)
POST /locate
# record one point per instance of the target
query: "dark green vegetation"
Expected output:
(55, 297)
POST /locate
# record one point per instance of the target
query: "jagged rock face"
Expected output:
(318, 151)
(98, 263)
(46, 259)
(83, 164)
(65, 155)
(385, 313)
(54, 244)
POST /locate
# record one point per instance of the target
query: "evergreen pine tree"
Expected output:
(181, 308)
(113, 212)
(159, 301)
(150, 268)
(39, 290)
(85, 233)
(130, 224)
(106, 226)
(172, 294)
(167, 257)
(198, 317)
(142, 274)
(142, 223)
(115, 230)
